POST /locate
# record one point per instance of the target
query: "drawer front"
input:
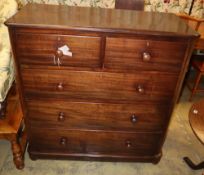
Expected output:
(42, 49)
(94, 142)
(133, 54)
(97, 86)
(120, 117)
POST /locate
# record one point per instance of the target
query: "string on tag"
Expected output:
(54, 59)
(58, 61)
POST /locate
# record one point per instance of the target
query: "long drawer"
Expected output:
(94, 142)
(98, 86)
(95, 116)
(136, 54)
(42, 49)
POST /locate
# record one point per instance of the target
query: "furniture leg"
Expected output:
(17, 154)
(197, 80)
(192, 165)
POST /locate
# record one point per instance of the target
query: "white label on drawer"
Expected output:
(68, 53)
(65, 50)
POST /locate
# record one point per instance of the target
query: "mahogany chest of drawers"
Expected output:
(98, 83)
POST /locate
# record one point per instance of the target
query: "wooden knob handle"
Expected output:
(63, 141)
(133, 118)
(146, 56)
(59, 53)
(128, 143)
(61, 117)
(60, 86)
(140, 88)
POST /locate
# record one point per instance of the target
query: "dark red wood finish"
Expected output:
(102, 116)
(40, 49)
(95, 142)
(98, 86)
(112, 100)
(135, 54)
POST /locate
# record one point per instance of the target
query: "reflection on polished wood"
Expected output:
(196, 119)
(99, 19)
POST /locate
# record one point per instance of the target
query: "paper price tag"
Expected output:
(68, 53)
(65, 50)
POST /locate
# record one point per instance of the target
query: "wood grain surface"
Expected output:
(113, 99)
(97, 116)
(98, 86)
(196, 119)
(128, 54)
(94, 142)
(38, 49)
(100, 19)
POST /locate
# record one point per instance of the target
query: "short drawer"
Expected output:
(97, 86)
(94, 142)
(135, 54)
(97, 116)
(42, 49)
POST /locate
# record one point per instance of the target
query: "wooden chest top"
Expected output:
(101, 20)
